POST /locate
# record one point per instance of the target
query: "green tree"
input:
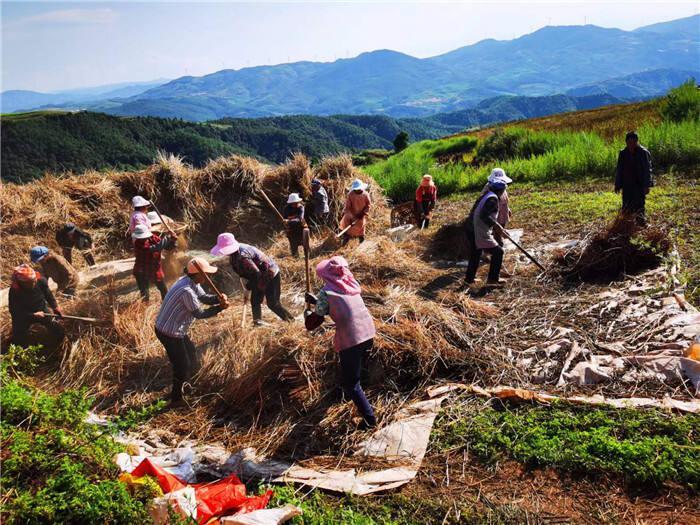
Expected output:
(401, 141)
(682, 103)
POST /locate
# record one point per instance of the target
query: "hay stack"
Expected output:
(450, 242)
(610, 251)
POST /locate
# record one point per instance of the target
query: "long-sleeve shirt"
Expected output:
(78, 239)
(254, 266)
(633, 169)
(139, 217)
(503, 206)
(182, 305)
(24, 302)
(426, 193)
(320, 201)
(56, 267)
(357, 206)
(147, 256)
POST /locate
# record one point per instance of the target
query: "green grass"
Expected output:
(645, 447)
(538, 157)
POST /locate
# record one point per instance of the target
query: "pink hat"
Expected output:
(337, 276)
(226, 244)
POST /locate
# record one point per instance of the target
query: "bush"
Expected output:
(401, 142)
(57, 468)
(682, 103)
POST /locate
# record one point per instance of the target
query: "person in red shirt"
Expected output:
(426, 197)
(148, 267)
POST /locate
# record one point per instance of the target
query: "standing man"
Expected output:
(357, 205)
(426, 198)
(261, 273)
(480, 234)
(57, 268)
(181, 306)
(294, 222)
(633, 177)
(319, 201)
(29, 300)
(69, 236)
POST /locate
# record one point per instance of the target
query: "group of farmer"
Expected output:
(31, 301)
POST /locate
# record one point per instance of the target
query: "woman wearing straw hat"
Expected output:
(426, 197)
(357, 205)
(148, 266)
(261, 273)
(181, 306)
(354, 328)
(294, 222)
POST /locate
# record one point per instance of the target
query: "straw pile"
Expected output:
(608, 252)
(450, 242)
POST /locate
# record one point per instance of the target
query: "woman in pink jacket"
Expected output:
(354, 328)
(355, 213)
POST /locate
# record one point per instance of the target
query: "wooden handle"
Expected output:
(87, 319)
(507, 235)
(206, 276)
(269, 202)
(155, 208)
(342, 232)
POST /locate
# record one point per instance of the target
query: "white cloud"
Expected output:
(103, 15)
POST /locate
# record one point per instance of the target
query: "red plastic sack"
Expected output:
(224, 496)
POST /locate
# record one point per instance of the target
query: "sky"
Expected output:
(49, 46)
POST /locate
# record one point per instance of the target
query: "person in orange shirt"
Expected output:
(357, 205)
(426, 197)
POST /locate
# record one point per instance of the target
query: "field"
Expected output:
(489, 460)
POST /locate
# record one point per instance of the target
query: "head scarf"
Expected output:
(24, 274)
(337, 276)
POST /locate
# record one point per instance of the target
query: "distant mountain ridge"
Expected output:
(577, 60)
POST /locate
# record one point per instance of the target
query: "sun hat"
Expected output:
(226, 244)
(357, 184)
(141, 232)
(200, 264)
(293, 198)
(24, 273)
(37, 253)
(498, 175)
(154, 218)
(139, 202)
(337, 276)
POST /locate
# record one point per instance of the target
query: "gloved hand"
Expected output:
(310, 298)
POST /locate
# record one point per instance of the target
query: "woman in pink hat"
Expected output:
(354, 328)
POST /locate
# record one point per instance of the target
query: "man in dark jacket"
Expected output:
(29, 302)
(633, 176)
(69, 236)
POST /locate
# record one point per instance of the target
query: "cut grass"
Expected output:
(643, 446)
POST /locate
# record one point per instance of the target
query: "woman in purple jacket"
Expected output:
(354, 328)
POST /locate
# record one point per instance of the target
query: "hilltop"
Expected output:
(553, 59)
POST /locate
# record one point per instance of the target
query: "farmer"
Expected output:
(261, 273)
(481, 224)
(294, 222)
(426, 197)
(69, 236)
(140, 213)
(56, 267)
(354, 328)
(319, 201)
(148, 267)
(181, 306)
(357, 205)
(633, 176)
(29, 301)
(504, 211)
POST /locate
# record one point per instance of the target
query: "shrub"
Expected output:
(401, 142)
(682, 103)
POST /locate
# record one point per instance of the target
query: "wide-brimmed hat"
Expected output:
(357, 184)
(153, 218)
(293, 198)
(37, 253)
(200, 264)
(139, 202)
(226, 244)
(141, 231)
(498, 175)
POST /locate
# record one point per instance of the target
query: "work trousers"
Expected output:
(634, 202)
(87, 255)
(24, 337)
(271, 294)
(475, 258)
(295, 235)
(184, 359)
(425, 208)
(144, 283)
(351, 360)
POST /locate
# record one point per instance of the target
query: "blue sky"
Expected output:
(58, 45)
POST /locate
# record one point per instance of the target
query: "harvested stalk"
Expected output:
(269, 202)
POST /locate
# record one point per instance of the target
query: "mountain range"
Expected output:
(576, 60)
